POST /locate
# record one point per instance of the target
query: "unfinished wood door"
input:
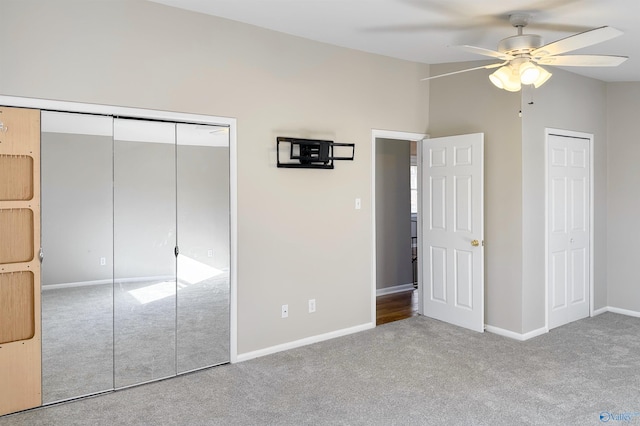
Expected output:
(20, 337)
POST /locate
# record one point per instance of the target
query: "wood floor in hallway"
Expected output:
(397, 306)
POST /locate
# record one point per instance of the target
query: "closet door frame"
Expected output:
(62, 106)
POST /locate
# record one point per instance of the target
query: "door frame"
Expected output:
(571, 134)
(77, 107)
(399, 136)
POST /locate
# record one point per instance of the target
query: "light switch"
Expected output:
(358, 203)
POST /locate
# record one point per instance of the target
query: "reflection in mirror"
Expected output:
(203, 238)
(77, 282)
(144, 243)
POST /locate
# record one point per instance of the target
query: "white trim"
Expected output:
(590, 137)
(304, 342)
(623, 311)
(233, 241)
(600, 311)
(386, 134)
(395, 289)
(420, 227)
(64, 106)
(516, 336)
(615, 310)
(151, 114)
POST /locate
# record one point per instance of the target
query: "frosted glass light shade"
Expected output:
(505, 78)
(542, 78)
(496, 81)
(529, 73)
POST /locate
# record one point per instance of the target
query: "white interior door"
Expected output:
(452, 230)
(568, 201)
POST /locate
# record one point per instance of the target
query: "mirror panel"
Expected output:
(144, 243)
(203, 238)
(77, 242)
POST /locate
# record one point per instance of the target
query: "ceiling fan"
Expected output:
(522, 55)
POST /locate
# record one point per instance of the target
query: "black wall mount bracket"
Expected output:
(312, 153)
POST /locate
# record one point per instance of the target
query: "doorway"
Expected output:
(395, 292)
(450, 273)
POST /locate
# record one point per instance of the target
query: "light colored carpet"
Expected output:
(413, 372)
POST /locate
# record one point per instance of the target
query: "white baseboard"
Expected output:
(107, 281)
(516, 336)
(395, 289)
(600, 311)
(303, 342)
(543, 330)
(623, 311)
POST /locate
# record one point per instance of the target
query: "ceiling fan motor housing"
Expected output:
(520, 44)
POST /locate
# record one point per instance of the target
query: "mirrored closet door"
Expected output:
(203, 241)
(136, 251)
(144, 240)
(77, 242)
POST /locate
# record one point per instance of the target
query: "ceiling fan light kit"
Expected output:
(523, 52)
(511, 77)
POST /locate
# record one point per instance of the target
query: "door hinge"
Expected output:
(176, 251)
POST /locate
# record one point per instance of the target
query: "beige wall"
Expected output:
(623, 207)
(299, 236)
(568, 102)
(469, 103)
(393, 213)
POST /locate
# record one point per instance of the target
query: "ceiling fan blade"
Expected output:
(583, 60)
(486, 67)
(577, 41)
(486, 52)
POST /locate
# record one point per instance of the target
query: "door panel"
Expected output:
(77, 243)
(452, 182)
(144, 257)
(437, 215)
(559, 279)
(203, 238)
(464, 279)
(462, 204)
(568, 236)
(438, 276)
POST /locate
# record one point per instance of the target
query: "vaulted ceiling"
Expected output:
(426, 30)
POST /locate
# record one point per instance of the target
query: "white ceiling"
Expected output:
(425, 30)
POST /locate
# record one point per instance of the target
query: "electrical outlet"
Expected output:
(209, 253)
(358, 204)
(312, 305)
(285, 311)
(103, 261)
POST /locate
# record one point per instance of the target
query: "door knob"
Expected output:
(475, 243)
